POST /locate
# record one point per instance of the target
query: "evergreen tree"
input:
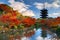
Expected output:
(1, 11)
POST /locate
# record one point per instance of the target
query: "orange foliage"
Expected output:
(58, 20)
(28, 21)
(4, 18)
(5, 7)
(53, 22)
(10, 18)
(43, 21)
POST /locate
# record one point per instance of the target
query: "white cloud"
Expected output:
(39, 38)
(21, 7)
(28, 13)
(54, 15)
(47, 39)
(39, 5)
(11, 1)
(24, 38)
(55, 4)
(1, 3)
(47, 5)
(22, 1)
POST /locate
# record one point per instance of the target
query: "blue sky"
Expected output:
(35, 6)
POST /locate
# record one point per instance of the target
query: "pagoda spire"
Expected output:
(44, 12)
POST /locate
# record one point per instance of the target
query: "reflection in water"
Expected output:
(37, 36)
(37, 33)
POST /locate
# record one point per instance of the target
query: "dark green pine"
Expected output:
(58, 32)
(37, 25)
(1, 11)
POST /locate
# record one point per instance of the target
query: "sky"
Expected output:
(32, 8)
